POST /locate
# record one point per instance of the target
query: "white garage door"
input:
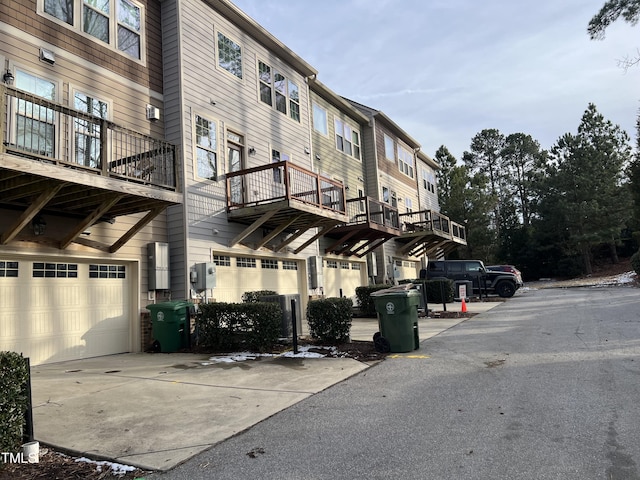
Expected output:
(55, 311)
(405, 270)
(344, 277)
(236, 275)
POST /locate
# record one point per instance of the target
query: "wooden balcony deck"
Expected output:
(427, 231)
(370, 224)
(284, 197)
(62, 162)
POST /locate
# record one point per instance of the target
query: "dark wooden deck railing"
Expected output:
(368, 210)
(37, 128)
(429, 220)
(283, 181)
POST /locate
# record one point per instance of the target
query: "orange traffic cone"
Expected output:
(464, 306)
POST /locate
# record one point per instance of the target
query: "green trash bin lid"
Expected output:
(172, 305)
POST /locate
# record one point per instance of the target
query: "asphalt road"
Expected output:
(545, 386)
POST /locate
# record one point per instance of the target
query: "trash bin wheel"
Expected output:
(376, 335)
(381, 344)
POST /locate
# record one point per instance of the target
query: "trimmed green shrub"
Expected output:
(635, 262)
(329, 319)
(230, 326)
(438, 291)
(253, 297)
(365, 302)
(14, 401)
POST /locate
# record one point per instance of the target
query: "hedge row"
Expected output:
(224, 326)
(365, 302)
(14, 400)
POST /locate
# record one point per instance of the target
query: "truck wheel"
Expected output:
(505, 289)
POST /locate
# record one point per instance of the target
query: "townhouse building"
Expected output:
(175, 149)
(237, 104)
(85, 174)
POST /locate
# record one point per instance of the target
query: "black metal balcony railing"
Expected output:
(365, 210)
(283, 181)
(41, 129)
(430, 220)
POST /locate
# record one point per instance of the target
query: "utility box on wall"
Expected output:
(158, 265)
(205, 276)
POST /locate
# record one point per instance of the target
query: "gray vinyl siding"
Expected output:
(171, 51)
(328, 159)
(195, 84)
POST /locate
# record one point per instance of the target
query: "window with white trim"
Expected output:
(289, 265)
(344, 265)
(388, 148)
(278, 156)
(107, 271)
(278, 91)
(222, 260)
(117, 23)
(246, 262)
(332, 264)
(229, 55)
(34, 126)
(347, 139)
(8, 269)
(408, 203)
(269, 264)
(87, 133)
(55, 270)
(405, 161)
(356, 266)
(320, 120)
(206, 148)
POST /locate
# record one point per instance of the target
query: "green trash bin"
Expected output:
(398, 319)
(171, 325)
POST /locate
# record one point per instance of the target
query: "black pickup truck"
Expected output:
(491, 282)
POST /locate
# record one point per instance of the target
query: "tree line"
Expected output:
(550, 212)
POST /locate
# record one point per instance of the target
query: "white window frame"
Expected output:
(389, 148)
(217, 34)
(320, 114)
(16, 105)
(114, 23)
(406, 162)
(196, 147)
(408, 204)
(280, 84)
(345, 136)
(93, 133)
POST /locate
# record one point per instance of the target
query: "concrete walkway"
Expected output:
(155, 411)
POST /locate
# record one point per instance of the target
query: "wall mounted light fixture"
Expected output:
(38, 225)
(252, 151)
(8, 78)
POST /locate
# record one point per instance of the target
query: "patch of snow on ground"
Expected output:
(303, 352)
(116, 468)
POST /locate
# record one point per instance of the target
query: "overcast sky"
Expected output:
(446, 69)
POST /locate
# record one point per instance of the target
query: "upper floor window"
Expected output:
(278, 91)
(405, 161)
(428, 181)
(347, 139)
(408, 203)
(206, 148)
(388, 148)
(34, 126)
(86, 132)
(229, 55)
(118, 23)
(320, 120)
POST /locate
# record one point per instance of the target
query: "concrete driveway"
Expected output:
(155, 411)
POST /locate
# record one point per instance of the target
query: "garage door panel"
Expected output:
(65, 316)
(237, 275)
(342, 275)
